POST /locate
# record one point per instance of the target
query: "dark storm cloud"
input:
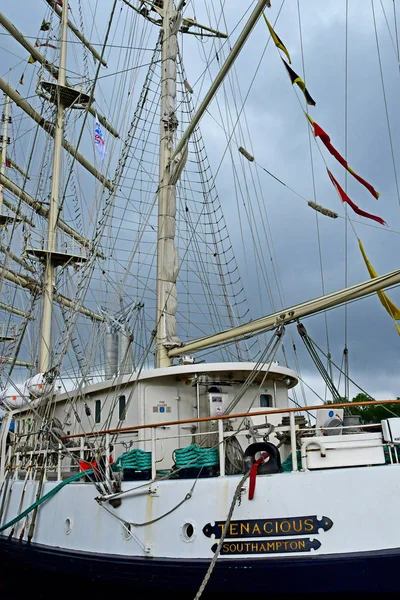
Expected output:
(279, 136)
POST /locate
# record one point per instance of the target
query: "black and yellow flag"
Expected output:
(45, 26)
(31, 60)
(294, 78)
(277, 41)
(391, 308)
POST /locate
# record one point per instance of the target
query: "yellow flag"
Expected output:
(277, 41)
(391, 308)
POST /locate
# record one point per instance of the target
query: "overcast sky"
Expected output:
(357, 114)
(280, 141)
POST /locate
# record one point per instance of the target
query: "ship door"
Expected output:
(161, 404)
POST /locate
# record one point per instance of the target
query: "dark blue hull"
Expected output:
(366, 572)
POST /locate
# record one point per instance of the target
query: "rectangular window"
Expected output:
(97, 411)
(122, 408)
(265, 400)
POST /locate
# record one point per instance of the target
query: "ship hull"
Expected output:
(302, 532)
(369, 572)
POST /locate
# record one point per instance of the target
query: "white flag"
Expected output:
(98, 139)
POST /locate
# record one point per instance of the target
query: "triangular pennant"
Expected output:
(391, 308)
(356, 209)
(277, 41)
(326, 140)
(294, 78)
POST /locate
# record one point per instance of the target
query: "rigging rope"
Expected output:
(317, 361)
(236, 496)
(386, 105)
(44, 498)
(314, 187)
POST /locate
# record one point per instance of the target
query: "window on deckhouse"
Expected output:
(265, 400)
(97, 411)
(122, 408)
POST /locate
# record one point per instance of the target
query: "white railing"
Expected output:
(64, 244)
(8, 330)
(54, 460)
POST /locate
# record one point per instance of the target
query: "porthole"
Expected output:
(188, 531)
(68, 526)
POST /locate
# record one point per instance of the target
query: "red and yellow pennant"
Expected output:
(344, 197)
(326, 140)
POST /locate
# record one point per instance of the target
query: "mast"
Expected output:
(24, 281)
(54, 203)
(50, 129)
(167, 258)
(3, 161)
(57, 9)
(41, 210)
(33, 51)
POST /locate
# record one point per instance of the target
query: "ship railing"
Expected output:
(292, 429)
(109, 442)
(40, 240)
(58, 463)
(8, 331)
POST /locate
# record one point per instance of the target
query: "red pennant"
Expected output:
(49, 45)
(357, 210)
(326, 140)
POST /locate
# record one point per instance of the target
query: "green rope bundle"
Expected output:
(196, 457)
(136, 459)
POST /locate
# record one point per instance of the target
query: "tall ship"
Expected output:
(194, 342)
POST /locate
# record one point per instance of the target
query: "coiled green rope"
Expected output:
(196, 456)
(134, 459)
